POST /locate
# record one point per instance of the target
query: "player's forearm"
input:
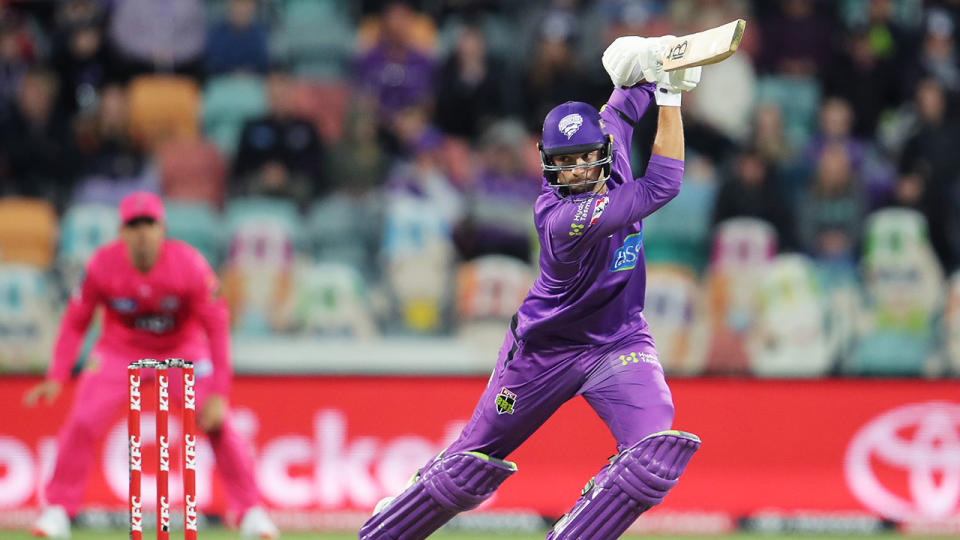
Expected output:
(669, 140)
(632, 102)
(73, 326)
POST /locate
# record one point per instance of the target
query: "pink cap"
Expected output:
(141, 204)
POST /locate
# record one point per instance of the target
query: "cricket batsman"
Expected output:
(580, 330)
(161, 300)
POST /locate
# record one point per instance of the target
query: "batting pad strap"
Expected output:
(462, 480)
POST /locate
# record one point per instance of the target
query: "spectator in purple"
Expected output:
(238, 43)
(866, 162)
(158, 36)
(497, 204)
(394, 73)
(472, 82)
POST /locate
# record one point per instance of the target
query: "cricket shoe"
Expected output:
(257, 524)
(52, 523)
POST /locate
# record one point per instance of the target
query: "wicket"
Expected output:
(162, 381)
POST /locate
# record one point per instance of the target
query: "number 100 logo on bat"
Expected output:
(677, 51)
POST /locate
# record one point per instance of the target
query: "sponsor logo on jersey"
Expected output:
(598, 208)
(155, 324)
(582, 210)
(626, 256)
(570, 124)
(576, 229)
(123, 305)
(505, 401)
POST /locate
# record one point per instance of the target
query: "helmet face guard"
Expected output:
(552, 172)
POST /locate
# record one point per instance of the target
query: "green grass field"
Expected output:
(221, 534)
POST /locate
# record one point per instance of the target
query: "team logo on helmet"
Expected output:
(570, 124)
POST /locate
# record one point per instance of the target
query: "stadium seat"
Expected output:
(491, 288)
(346, 229)
(228, 102)
(798, 99)
(674, 308)
(27, 320)
(951, 325)
(322, 103)
(192, 171)
(257, 280)
(197, 224)
(28, 231)
(329, 299)
(163, 107)
(315, 37)
(422, 32)
(84, 228)
(904, 287)
(742, 249)
(789, 337)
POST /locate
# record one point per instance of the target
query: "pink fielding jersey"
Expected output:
(172, 307)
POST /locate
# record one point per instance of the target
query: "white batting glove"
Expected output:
(622, 60)
(671, 84)
(652, 61)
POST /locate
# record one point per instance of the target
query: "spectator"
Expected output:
(357, 163)
(938, 55)
(830, 220)
(796, 40)
(394, 73)
(752, 191)
(280, 153)
(152, 36)
(473, 92)
(109, 164)
(33, 141)
(863, 79)
(836, 122)
(553, 75)
(497, 217)
(931, 158)
(81, 61)
(15, 57)
(238, 43)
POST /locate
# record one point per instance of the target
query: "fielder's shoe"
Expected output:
(52, 523)
(257, 524)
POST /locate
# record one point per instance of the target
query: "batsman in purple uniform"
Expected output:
(580, 330)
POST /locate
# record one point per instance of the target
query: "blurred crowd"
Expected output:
(369, 167)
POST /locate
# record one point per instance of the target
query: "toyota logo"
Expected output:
(905, 463)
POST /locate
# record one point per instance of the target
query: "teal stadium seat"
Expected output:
(27, 319)
(228, 102)
(798, 99)
(198, 225)
(83, 229)
(315, 37)
(345, 229)
(904, 292)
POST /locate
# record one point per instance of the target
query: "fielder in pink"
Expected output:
(160, 300)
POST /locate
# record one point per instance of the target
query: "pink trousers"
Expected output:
(102, 391)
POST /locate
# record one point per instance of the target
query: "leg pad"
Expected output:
(451, 484)
(636, 480)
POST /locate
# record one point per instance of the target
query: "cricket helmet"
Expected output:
(574, 127)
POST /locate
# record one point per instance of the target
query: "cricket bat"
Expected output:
(703, 48)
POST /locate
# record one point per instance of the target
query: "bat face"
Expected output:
(703, 48)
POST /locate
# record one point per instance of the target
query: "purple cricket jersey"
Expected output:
(592, 277)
